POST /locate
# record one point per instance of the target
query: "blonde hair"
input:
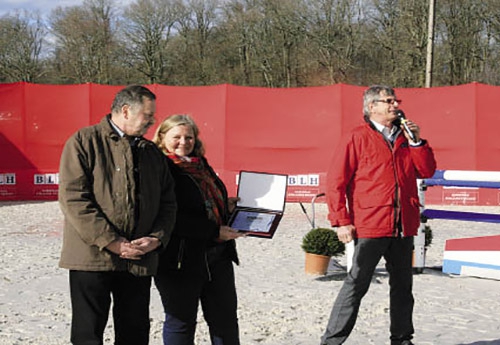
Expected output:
(174, 121)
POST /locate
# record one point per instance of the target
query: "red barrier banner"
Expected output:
(284, 131)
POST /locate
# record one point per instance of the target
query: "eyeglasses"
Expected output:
(389, 101)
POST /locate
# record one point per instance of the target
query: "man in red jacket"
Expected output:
(372, 198)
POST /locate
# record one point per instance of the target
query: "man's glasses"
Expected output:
(389, 101)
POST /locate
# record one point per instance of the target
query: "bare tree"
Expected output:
(239, 34)
(289, 31)
(461, 32)
(85, 45)
(148, 25)
(489, 12)
(197, 21)
(400, 32)
(277, 36)
(21, 39)
(273, 43)
(333, 32)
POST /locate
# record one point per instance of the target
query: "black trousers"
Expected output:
(91, 294)
(367, 253)
(181, 292)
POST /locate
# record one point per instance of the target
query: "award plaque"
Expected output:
(261, 203)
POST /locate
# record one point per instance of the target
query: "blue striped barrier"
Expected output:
(476, 256)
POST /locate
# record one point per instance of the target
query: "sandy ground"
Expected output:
(278, 303)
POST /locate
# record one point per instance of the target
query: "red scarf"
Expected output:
(214, 199)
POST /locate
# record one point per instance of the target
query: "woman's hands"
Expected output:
(231, 203)
(227, 233)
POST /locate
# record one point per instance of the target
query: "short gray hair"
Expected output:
(372, 94)
(132, 95)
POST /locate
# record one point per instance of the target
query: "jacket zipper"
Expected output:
(208, 267)
(126, 169)
(180, 254)
(206, 255)
(391, 146)
(397, 203)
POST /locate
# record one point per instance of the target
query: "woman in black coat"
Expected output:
(197, 264)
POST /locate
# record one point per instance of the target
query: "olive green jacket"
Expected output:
(97, 195)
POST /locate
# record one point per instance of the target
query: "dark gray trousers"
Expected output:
(397, 252)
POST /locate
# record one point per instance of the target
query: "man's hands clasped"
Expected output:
(133, 250)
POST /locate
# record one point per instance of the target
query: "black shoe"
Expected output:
(401, 342)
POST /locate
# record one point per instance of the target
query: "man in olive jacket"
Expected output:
(118, 201)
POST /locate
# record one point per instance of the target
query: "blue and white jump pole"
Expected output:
(477, 256)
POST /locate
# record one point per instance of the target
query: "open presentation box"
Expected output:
(261, 203)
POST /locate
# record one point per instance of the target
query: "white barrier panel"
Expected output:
(475, 256)
(469, 175)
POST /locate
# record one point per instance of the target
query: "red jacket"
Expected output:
(375, 178)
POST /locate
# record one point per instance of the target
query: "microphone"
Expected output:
(401, 115)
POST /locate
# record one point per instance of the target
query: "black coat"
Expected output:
(193, 243)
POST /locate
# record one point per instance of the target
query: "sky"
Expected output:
(44, 6)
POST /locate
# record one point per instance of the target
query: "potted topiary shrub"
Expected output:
(320, 244)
